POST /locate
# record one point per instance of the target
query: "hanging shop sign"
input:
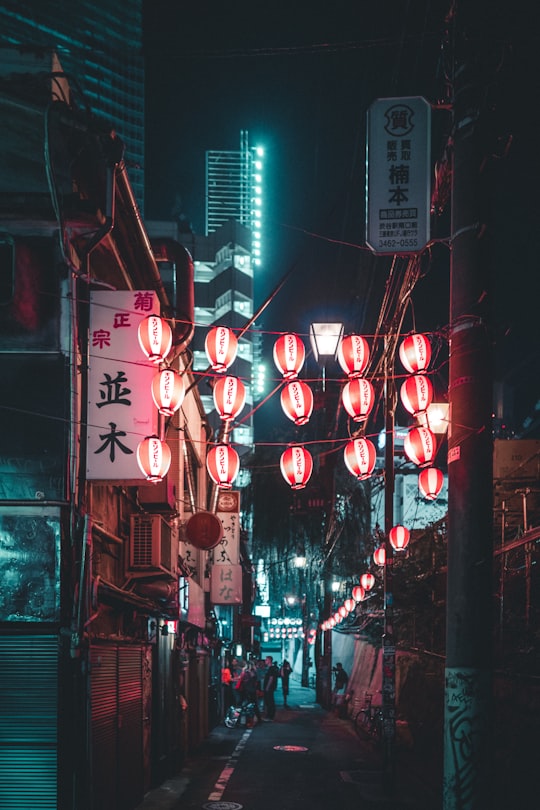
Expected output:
(398, 175)
(121, 411)
(226, 584)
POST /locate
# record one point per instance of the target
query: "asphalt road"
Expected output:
(306, 758)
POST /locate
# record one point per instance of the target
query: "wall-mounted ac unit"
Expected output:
(151, 549)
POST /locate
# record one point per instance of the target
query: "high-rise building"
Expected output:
(99, 45)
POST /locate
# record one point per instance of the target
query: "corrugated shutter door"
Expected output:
(103, 662)
(130, 758)
(28, 722)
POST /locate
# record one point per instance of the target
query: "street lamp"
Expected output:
(325, 339)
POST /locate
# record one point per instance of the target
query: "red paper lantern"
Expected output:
(289, 355)
(416, 394)
(296, 466)
(223, 464)
(360, 457)
(353, 355)
(349, 604)
(379, 556)
(358, 398)
(430, 482)
(342, 611)
(415, 353)
(332, 621)
(168, 391)
(155, 338)
(297, 401)
(420, 446)
(229, 397)
(367, 581)
(399, 537)
(221, 345)
(358, 593)
(154, 458)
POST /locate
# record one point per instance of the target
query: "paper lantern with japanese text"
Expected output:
(399, 537)
(168, 391)
(430, 482)
(296, 466)
(360, 457)
(358, 398)
(153, 458)
(155, 338)
(415, 353)
(289, 355)
(367, 581)
(223, 464)
(416, 394)
(221, 346)
(353, 355)
(297, 401)
(420, 446)
(379, 556)
(229, 397)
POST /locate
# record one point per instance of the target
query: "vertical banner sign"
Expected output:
(121, 411)
(227, 552)
(398, 188)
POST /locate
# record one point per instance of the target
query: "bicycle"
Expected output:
(242, 715)
(368, 720)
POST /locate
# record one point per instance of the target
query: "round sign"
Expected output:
(204, 530)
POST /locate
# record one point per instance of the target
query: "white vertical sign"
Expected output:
(121, 411)
(398, 187)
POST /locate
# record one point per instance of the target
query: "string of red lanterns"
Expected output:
(221, 346)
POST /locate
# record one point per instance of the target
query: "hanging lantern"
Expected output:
(360, 457)
(155, 338)
(296, 466)
(221, 345)
(367, 581)
(349, 604)
(289, 355)
(420, 446)
(343, 611)
(358, 593)
(416, 394)
(399, 537)
(430, 482)
(379, 556)
(229, 397)
(358, 398)
(415, 353)
(332, 621)
(223, 463)
(297, 402)
(353, 355)
(168, 391)
(154, 458)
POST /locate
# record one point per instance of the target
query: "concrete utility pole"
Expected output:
(469, 676)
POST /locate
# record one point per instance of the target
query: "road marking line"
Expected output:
(228, 770)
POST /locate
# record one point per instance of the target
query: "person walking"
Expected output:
(270, 683)
(285, 672)
(248, 688)
(226, 680)
(340, 685)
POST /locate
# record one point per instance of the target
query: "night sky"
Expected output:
(300, 78)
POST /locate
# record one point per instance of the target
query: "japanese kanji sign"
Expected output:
(227, 552)
(398, 188)
(121, 411)
(226, 584)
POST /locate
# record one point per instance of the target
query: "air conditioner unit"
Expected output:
(151, 549)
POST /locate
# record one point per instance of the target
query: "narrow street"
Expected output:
(306, 758)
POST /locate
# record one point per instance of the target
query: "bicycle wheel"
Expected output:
(362, 724)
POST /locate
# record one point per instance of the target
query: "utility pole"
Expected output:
(388, 638)
(468, 675)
